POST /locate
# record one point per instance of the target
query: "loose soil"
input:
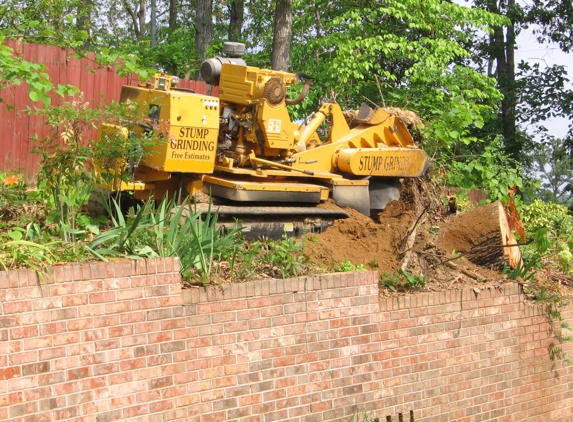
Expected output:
(406, 235)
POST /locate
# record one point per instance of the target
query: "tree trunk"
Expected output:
(203, 30)
(236, 14)
(173, 10)
(84, 20)
(282, 35)
(153, 23)
(481, 235)
(137, 17)
(502, 50)
(141, 17)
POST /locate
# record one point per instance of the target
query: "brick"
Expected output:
(252, 361)
(18, 307)
(48, 303)
(160, 360)
(11, 399)
(52, 403)
(173, 323)
(160, 382)
(160, 337)
(102, 297)
(37, 342)
(90, 310)
(114, 415)
(78, 373)
(35, 368)
(117, 307)
(23, 332)
(8, 321)
(8, 373)
(120, 330)
(225, 404)
(133, 411)
(107, 344)
(173, 346)
(66, 338)
(51, 378)
(121, 378)
(106, 368)
(22, 409)
(158, 314)
(132, 317)
(146, 350)
(130, 364)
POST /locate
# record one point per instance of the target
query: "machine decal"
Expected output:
(192, 144)
(197, 157)
(193, 132)
(274, 126)
(377, 163)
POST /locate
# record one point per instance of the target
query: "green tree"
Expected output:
(397, 53)
(553, 164)
(523, 83)
(555, 22)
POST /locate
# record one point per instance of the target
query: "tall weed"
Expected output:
(166, 230)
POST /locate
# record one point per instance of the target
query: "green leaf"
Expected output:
(454, 134)
(34, 95)
(15, 235)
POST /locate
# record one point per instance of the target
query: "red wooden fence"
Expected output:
(97, 84)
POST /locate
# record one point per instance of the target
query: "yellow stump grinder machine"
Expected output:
(257, 165)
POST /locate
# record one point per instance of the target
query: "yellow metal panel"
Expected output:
(244, 84)
(120, 185)
(278, 186)
(339, 127)
(277, 126)
(149, 174)
(134, 94)
(155, 155)
(193, 132)
(348, 182)
(193, 145)
(237, 84)
(319, 159)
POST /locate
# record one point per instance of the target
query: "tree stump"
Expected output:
(481, 235)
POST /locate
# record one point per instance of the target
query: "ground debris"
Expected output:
(382, 241)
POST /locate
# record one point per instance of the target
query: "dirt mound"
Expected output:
(403, 236)
(376, 241)
(362, 241)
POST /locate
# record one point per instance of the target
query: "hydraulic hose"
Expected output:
(302, 95)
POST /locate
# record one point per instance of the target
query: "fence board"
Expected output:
(97, 85)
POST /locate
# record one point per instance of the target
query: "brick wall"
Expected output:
(122, 341)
